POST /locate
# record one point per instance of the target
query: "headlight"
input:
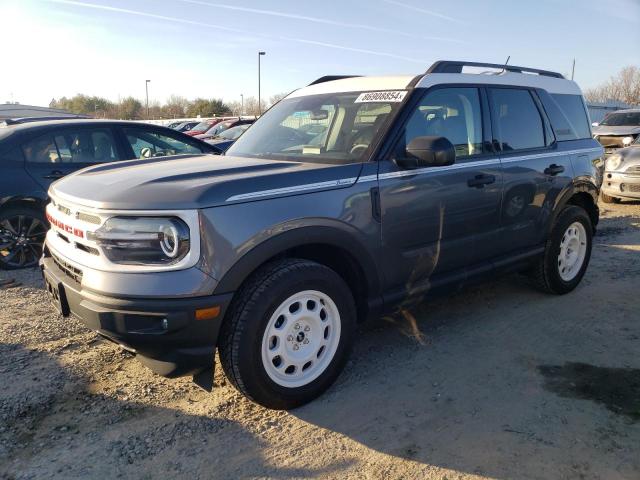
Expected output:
(614, 161)
(143, 240)
(626, 141)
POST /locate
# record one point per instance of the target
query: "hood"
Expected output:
(621, 130)
(630, 155)
(198, 181)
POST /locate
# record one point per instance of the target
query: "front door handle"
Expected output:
(479, 181)
(553, 169)
(54, 175)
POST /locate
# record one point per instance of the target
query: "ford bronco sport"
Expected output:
(351, 197)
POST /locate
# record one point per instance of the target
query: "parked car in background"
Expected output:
(622, 174)
(222, 126)
(185, 126)
(226, 138)
(205, 125)
(33, 154)
(618, 129)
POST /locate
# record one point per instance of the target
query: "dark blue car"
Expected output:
(33, 154)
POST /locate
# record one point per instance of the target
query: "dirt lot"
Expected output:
(508, 383)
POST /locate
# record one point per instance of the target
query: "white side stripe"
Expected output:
(296, 188)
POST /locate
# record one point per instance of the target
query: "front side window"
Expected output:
(453, 113)
(146, 144)
(86, 146)
(517, 119)
(338, 128)
(41, 150)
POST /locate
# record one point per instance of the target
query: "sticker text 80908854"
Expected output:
(386, 96)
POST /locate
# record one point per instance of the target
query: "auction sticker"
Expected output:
(386, 96)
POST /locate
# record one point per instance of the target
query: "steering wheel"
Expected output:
(358, 150)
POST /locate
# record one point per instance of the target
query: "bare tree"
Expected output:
(277, 97)
(623, 87)
(251, 106)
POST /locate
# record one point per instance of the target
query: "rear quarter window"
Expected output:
(570, 122)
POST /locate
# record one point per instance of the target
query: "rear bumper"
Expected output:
(621, 185)
(164, 333)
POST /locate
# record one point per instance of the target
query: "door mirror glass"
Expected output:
(428, 151)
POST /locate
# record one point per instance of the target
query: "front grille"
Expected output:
(633, 170)
(68, 269)
(87, 217)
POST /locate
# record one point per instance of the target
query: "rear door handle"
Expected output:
(553, 169)
(479, 181)
(55, 174)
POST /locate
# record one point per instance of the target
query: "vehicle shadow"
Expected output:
(53, 426)
(476, 395)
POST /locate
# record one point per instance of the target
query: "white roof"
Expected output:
(400, 82)
(356, 84)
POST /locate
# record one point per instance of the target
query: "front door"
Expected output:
(438, 221)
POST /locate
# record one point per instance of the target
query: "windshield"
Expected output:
(329, 128)
(219, 128)
(233, 133)
(204, 126)
(622, 119)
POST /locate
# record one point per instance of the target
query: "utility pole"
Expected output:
(146, 87)
(259, 98)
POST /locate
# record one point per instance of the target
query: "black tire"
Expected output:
(609, 199)
(22, 232)
(546, 270)
(240, 342)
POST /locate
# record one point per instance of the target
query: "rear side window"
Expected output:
(41, 150)
(518, 121)
(573, 109)
(86, 146)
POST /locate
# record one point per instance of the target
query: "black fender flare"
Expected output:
(575, 187)
(300, 237)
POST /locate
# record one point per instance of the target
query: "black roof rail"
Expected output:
(452, 66)
(330, 78)
(16, 121)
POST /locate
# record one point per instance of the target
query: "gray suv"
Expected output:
(351, 197)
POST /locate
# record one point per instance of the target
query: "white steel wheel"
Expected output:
(301, 338)
(573, 249)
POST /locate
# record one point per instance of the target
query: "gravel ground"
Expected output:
(497, 381)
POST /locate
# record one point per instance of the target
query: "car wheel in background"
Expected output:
(288, 333)
(22, 233)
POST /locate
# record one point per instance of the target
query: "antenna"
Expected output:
(573, 68)
(505, 64)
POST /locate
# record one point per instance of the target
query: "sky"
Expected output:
(209, 48)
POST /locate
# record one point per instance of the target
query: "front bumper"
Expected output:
(621, 185)
(164, 333)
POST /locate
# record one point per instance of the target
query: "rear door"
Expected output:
(53, 155)
(536, 169)
(440, 220)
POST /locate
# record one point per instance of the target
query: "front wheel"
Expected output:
(567, 252)
(288, 333)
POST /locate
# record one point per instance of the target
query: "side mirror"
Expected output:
(595, 124)
(428, 152)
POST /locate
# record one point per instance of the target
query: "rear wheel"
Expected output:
(609, 199)
(567, 252)
(22, 233)
(288, 334)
